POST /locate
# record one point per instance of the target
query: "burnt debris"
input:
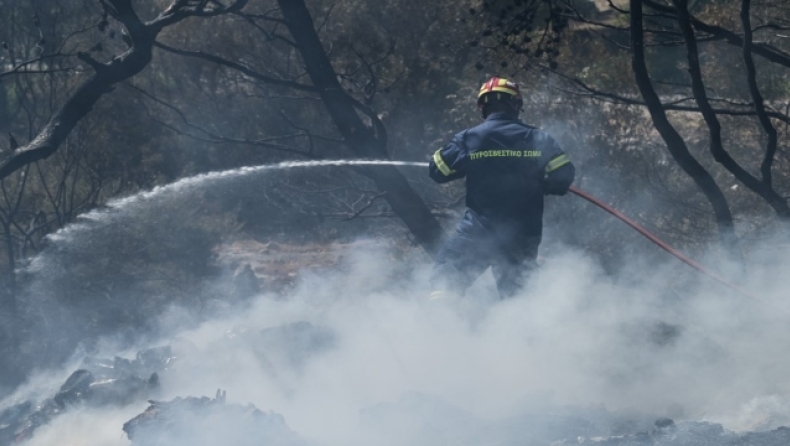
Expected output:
(98, 382)
(208, 421)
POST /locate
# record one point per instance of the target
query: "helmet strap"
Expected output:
(485, 105)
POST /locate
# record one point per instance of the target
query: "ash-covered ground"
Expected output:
(351, 352)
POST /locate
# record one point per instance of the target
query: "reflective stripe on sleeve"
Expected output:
(441, 165)
(557, 162)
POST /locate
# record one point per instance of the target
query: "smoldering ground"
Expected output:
(355, 357)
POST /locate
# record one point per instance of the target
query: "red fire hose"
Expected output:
(662, 244)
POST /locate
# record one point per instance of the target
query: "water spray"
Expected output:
(198, 180)
(318, 163)
(573, 336)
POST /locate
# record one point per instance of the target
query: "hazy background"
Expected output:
(302, 291)
(356, 354)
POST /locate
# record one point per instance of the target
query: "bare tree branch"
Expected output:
(249, 72)
(767, 51)
(142, 37)
(214, 138)
(366, 206)
(717, 149)
(675, 143)
(595, 93)
(757, 97)
(360, 139)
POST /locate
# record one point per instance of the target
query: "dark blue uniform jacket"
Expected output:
(508, 167)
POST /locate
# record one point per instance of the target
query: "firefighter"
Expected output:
(509, 166)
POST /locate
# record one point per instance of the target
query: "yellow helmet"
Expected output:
(495, 87)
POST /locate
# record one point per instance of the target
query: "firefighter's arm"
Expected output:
(558, 180)
(559, 171)
(449, 162)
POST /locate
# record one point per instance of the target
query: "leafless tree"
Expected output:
(140, 37)
(655, 30)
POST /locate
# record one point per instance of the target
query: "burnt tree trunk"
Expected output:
(762, 188)
(675, 143)
(364, 141)
(759, 106)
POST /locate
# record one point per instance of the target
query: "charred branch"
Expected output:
(247, 71)
(106, 75)
(180, 10)
(717, 149)
(759, 106)
(675, 143)
(267, 143)
(764, 50)
(367, 206)
(584, 89)
(12, 142)
(362, 141)
(271, 35)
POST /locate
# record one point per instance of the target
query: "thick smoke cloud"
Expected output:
(357, 355)
(353, 357)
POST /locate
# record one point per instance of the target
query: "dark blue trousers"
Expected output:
(474, 247)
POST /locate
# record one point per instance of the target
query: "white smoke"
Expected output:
(382, 365)
(573, 338)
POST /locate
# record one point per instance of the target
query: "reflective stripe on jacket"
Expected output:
(508, 167)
